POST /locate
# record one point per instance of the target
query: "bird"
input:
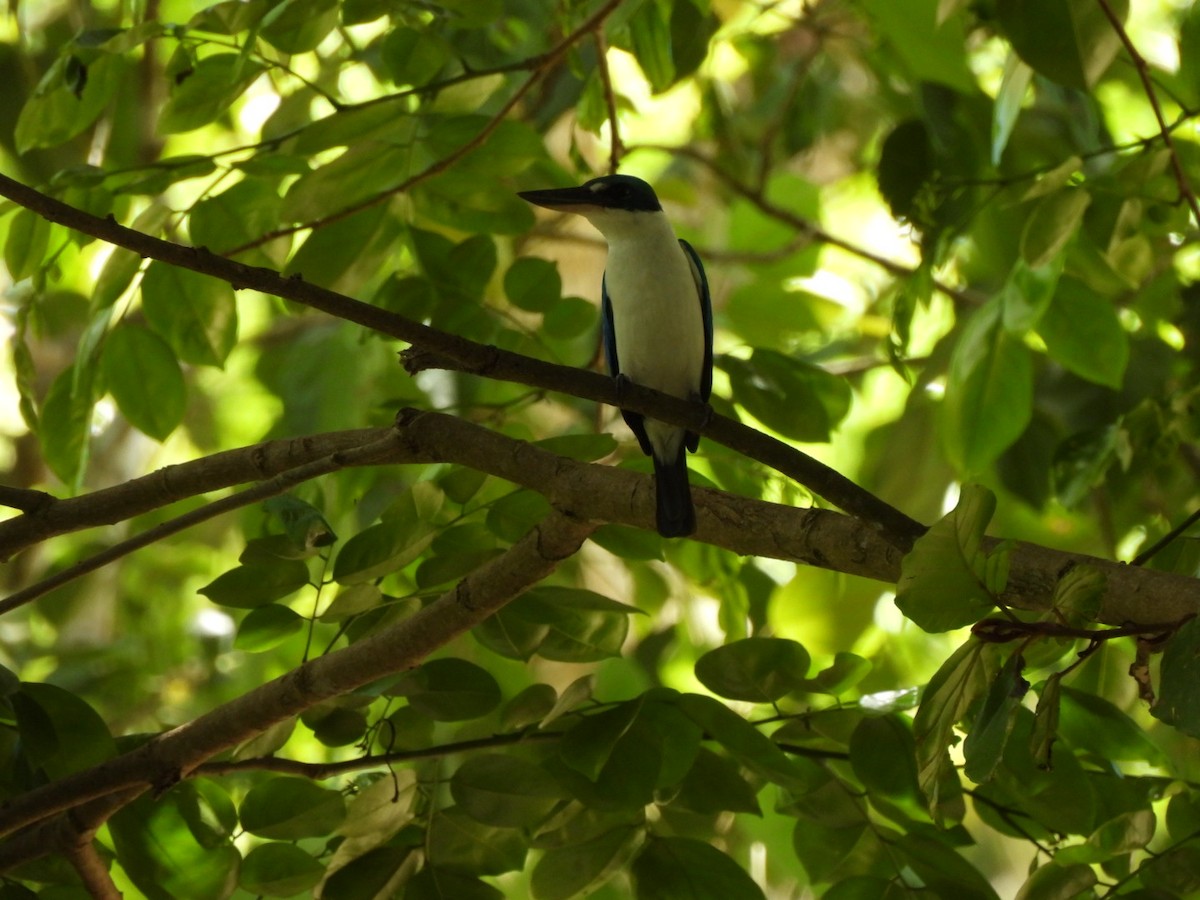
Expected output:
(656, 322)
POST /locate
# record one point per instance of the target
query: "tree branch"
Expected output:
(1143, 70)
(364, 455)
(101, 790)
(539, 68)
(814, 537)
(452, 351)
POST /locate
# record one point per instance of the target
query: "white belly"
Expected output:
(657, 320)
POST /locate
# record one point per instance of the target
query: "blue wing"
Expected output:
(635, 421)
(607, 331)
(706, 314)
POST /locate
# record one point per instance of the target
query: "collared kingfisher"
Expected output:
(656, 320)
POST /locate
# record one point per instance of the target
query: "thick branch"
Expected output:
(813, 537)
(165, 759)
(469, 356)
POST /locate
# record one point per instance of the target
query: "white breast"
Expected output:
(657, 319)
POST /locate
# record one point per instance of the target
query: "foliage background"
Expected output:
(950, 243)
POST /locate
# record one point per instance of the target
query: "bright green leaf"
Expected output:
(144, 378)
(279, 870)
(759, 670)
(288, 808)
(674, 868)
(194, 313)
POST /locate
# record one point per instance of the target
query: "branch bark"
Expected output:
(98, 792)
(816, 537)
(451, 351)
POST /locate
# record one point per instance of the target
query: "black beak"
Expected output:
(569, 199)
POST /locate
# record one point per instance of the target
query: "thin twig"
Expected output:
(441, 165)
(1150, 552)
(616, 149)
(806, 227)
(1143, 70)
(320, 771)
(277, 485)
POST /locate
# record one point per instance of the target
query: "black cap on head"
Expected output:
(607, 192)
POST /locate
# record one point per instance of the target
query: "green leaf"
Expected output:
(579, 868)
(511, 517)
(236, 217)
(449, 690)
(528, 707)
(984, 746)
(962, 679)
(1013, 87)
(413, 57)
(569, 318)
(303, 523)
(1175, 871)
(504, 791)
(759, 670)
(1053, 221)
(404, 535)
(798, 400)
(266, 627)
(65, 420)
(628, 543)
(368, 875)
(353, 600)
(906, 166)
(461, 270)
(744, 742)
(1121, 834)
(559, 623)
(1090, 722)
(200, 95)
(943, 582)
(298, 26)
(674, 868)
(617, 756)
(1027, 294)
(1084, 334)
(194, 313)
(585, 447)
(1178, 700)
(229, 16)
(714, 784)
(533, 284)
(883, 755)
(432, 883)
(989, 392)
(929, 48)
(60, 733)
(456, 841)
(821, 849)
(279, 870)
(156, 842)
(367, 169)
(942, 869)
(650, 34)
(58, 110)
(847, 670)
(144, 378)
(347, 252)
(25, 248)
(1055, 881)
(1069, 41)
(288, 808)
(247, 587)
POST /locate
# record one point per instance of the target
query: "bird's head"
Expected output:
(612, 203)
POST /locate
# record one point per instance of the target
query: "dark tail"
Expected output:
(675, 515)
